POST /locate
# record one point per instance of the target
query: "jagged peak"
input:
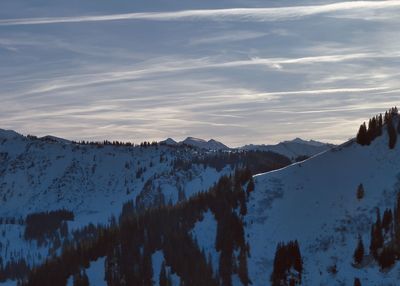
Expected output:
(211, 144)
(169, 141)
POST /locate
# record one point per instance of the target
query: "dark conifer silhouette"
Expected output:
(288, 265)
(359, 252)
(360, 192)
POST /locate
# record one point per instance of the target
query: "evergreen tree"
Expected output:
(398, 127)
(387, 257)
(380, 124)
(163, 275)
(288, 265)
(392, 134)
(360, 192)
(362, 136)
(359, 252)
(250, 186)
(376, 236)
(387, 220)
(396, 220)
(242, 270)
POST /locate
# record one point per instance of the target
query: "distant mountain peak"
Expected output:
(211, 144)
(55, 139)
(298, 140)
(169, 141)
(294, 148)
(311, 142)
(191, 139)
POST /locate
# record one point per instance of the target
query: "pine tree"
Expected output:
(278, 273)
(360, 192)
(376, 236)
(387, 220)
(297, 260)
(250, 186)
(398, 127)
(396, 220)
(387, 257)
(380, 124)
(362, 136)
(359, 252)
(163, 275)
(392, 134)
(242, 270)
(287, 258)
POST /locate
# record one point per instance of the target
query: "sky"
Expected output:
(254, 71)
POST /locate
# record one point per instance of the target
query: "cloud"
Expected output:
(235, 14)
(228, 37)
(168, 67)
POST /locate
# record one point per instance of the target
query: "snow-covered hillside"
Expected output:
(91, 180)
(95, 180)
(293, 149)
(315, 202)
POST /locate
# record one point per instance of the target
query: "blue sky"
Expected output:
(238, 71)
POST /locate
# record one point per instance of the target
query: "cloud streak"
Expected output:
(170, 67)
(233, 14)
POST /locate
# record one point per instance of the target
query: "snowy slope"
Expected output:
(43, 174)
(315, 202)
(294, 148)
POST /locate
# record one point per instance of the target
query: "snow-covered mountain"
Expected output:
(198, 143)
(48, 173)
(315, 202)
(294, 149)
(94, 180)
(91, 180)
(169, 141)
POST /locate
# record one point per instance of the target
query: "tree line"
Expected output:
(128, 243)
(375, 128)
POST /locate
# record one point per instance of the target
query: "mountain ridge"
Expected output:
(294, 149)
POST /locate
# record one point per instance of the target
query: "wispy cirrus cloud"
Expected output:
(171, 66)
(234, 14)
(228, 37)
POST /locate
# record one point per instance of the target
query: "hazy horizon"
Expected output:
(180, 139)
